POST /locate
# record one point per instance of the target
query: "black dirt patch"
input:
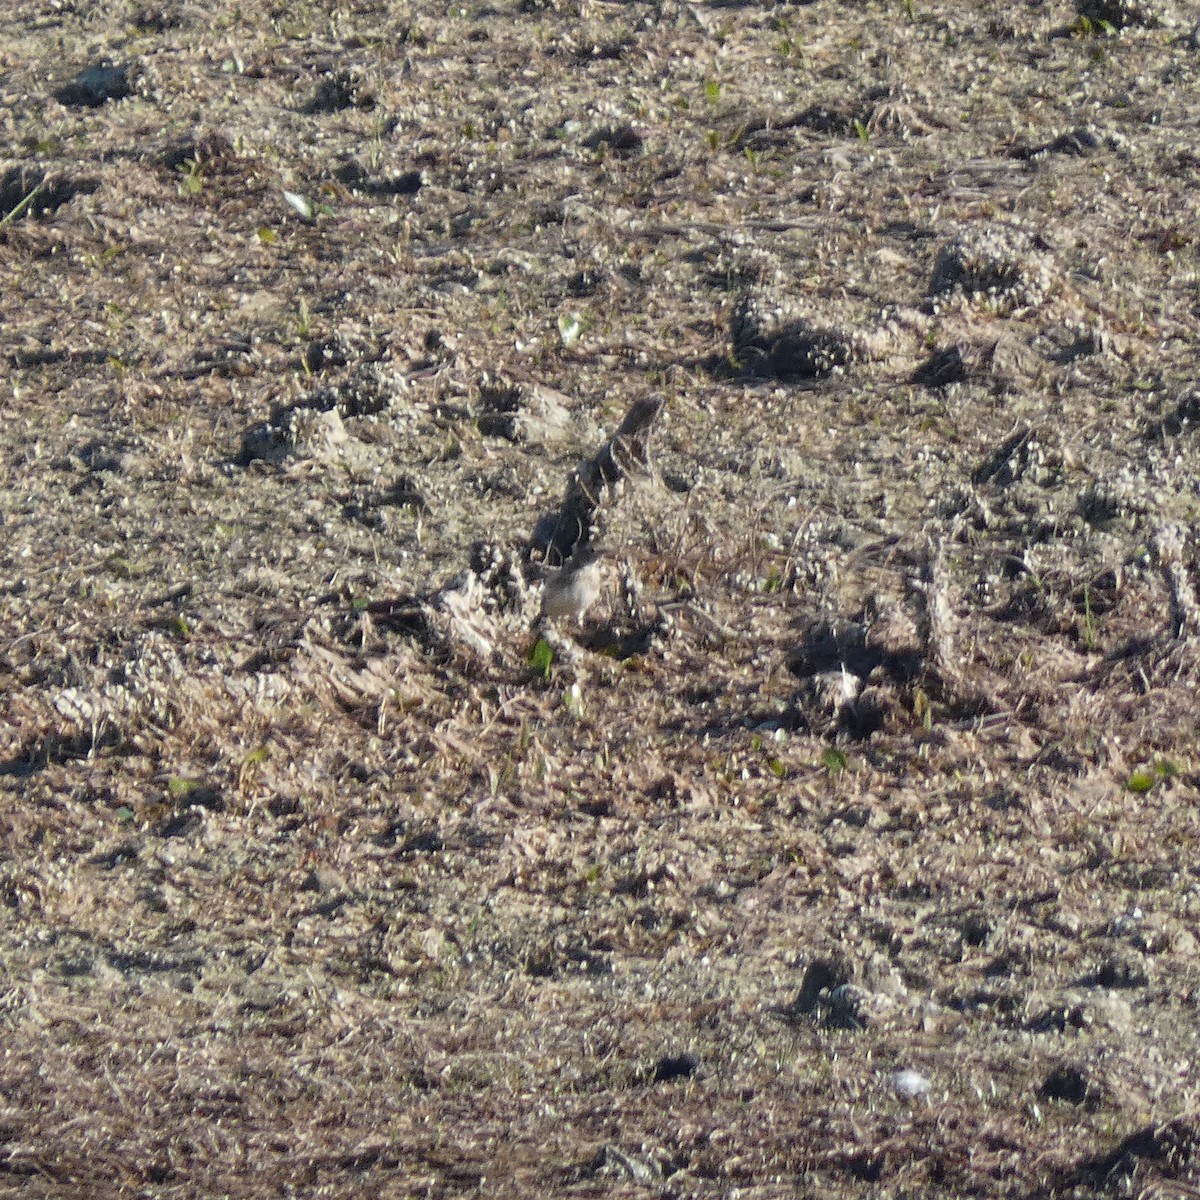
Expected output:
(620, 139)
(96, 85)
(672, 1066)
(29, 192)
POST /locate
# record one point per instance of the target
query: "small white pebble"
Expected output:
(910, 1084)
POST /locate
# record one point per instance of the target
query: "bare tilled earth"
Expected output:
(846, 847)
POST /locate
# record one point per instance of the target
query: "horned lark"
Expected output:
(573, 588)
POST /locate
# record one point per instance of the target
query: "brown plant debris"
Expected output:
(838, 838)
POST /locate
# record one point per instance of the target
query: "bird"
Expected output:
(574, 587)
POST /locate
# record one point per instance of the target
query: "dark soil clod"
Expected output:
(30, 192)
(1067, 1083)
(673, 1066)
(96, 85)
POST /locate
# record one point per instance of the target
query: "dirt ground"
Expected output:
(847, 847)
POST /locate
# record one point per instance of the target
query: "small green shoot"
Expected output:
(712, 91)
(1089, 621)
(541, 658)
(191, 182)
(1143, 779)
(864, 134)
(20, 207)
(834, 761)
(789, 43)
(121, 567)
(181, 789)
(248, 771)
(1093, 27)
(923, 708)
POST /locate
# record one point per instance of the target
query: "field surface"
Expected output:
(847, 846)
